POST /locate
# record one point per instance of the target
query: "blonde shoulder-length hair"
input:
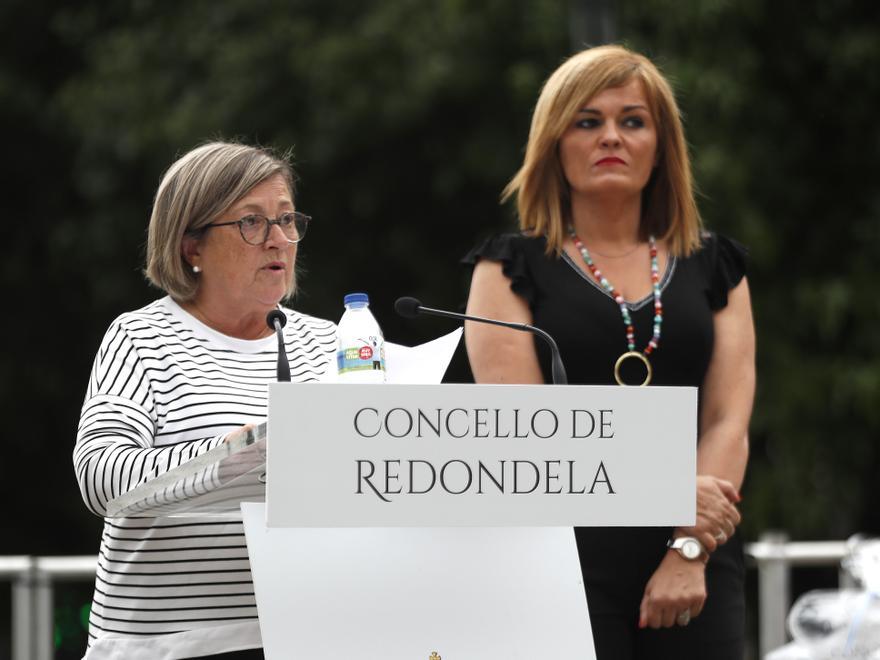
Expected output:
(199, 187)
(669, 210)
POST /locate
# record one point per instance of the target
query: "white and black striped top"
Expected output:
(165, 388)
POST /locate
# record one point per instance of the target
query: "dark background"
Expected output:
(407, 118)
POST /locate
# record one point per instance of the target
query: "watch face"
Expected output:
(690, 548)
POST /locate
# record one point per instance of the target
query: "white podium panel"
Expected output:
(403, 594)
(480, 455)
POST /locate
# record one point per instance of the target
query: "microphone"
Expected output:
(409, 308)
(276, 319)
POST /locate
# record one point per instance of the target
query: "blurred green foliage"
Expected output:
(407, 118)
(781, 103)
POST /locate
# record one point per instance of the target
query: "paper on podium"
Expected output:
(424, 364)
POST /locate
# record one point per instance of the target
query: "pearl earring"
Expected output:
(196, 269)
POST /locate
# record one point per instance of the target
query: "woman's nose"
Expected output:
(610, 136)
(277, 238)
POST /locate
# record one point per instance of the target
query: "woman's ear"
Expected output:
(190, 248)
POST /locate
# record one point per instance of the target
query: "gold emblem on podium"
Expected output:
(434, 656)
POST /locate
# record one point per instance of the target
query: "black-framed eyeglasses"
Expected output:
(255, 228)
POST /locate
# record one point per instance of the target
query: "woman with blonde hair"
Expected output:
(611, 259)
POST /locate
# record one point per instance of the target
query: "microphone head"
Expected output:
(407, 307)
(276, 315)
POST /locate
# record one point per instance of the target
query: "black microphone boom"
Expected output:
(409, 308)
(276, 319)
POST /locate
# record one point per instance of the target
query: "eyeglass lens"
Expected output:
(255, 228)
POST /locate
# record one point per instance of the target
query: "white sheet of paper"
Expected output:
(399, 594)
(424, 364)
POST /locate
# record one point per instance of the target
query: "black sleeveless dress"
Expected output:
(586, 324)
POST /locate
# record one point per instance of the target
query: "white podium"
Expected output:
(400, 521)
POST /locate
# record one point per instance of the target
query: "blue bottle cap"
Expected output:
(353, 298)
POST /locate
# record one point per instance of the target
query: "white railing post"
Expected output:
(43, 621)
(21, 569)
(773, 592)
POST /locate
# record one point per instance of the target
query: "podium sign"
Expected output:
(343, 455)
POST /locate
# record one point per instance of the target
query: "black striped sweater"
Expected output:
(165, 388)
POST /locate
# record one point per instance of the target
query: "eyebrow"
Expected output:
(256, 208)
(626, 108)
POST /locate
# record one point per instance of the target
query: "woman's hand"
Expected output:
(717, 517)
(239, 432)
(675, 594)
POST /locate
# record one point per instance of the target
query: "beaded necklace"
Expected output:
(654, 342)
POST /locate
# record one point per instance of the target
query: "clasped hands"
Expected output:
(676, 591)
(717, 515)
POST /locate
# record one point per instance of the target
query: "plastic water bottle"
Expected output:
(360, 353)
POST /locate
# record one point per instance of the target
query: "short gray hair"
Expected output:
(199, 187)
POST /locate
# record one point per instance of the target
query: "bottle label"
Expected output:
(365, 355)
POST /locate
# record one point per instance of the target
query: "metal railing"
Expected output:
(33, 579)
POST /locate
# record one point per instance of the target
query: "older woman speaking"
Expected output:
(172, 380)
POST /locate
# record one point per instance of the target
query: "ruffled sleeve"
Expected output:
(510, 250)
(724, 264)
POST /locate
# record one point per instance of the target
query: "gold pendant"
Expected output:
(639, 356)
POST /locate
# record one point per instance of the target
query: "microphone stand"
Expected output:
(276, 320)
(410, 307)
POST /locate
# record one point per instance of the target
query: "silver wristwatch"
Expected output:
(689, 548)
